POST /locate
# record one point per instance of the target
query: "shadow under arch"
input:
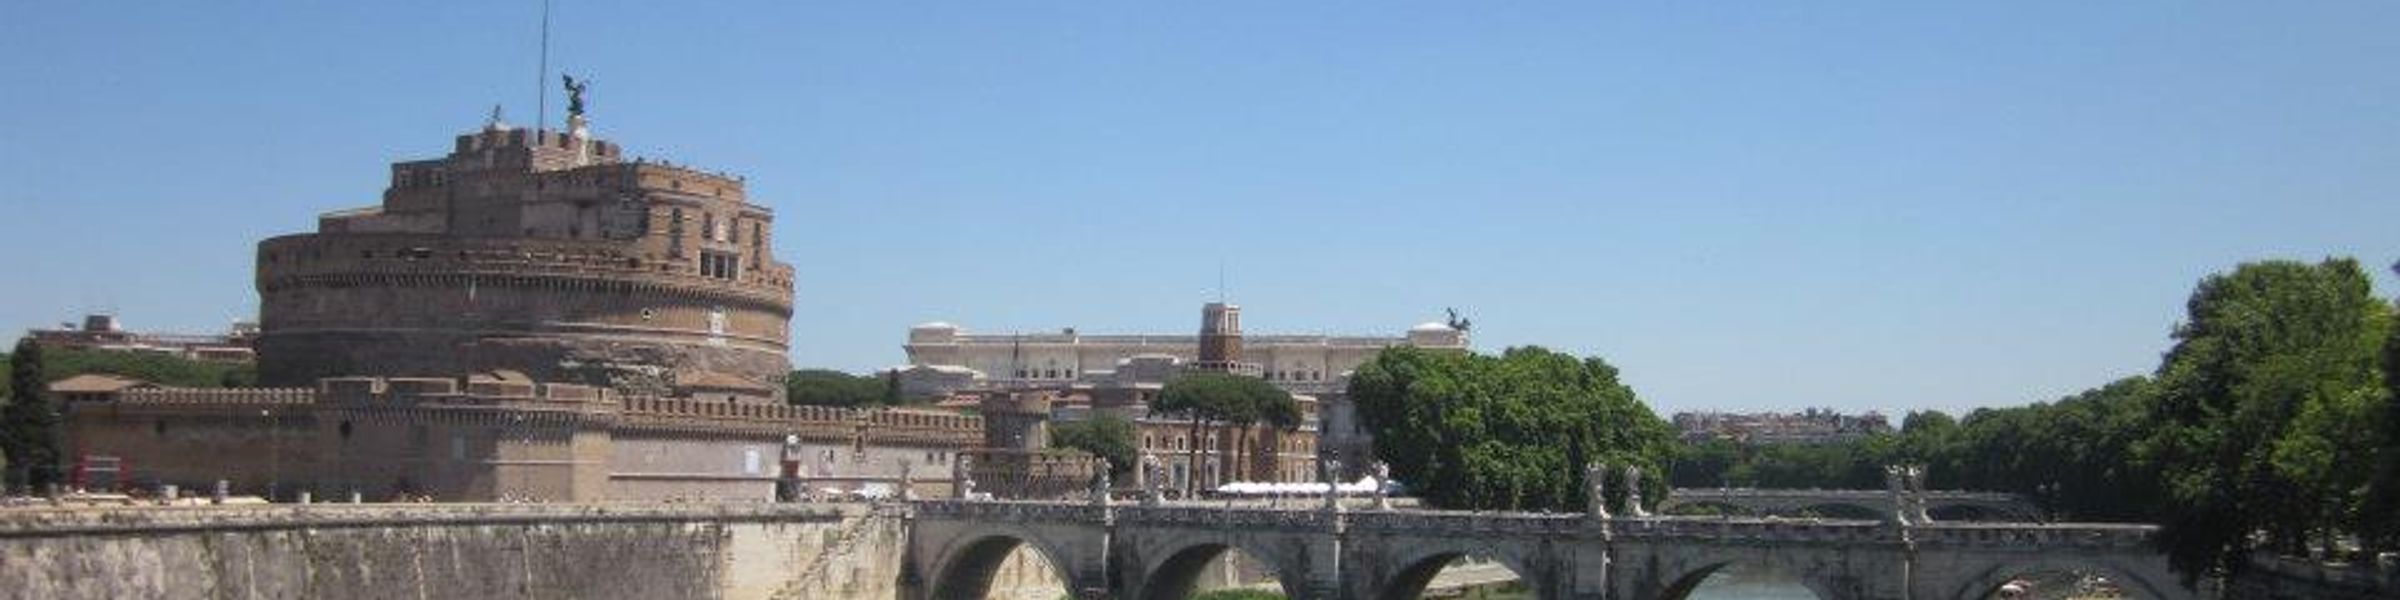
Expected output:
(1695, 581)
(1410, 582)
(1987, 585)
(1176, 577)
(967, 570)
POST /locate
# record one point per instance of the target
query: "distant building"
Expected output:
(943, 357)
(1072, 377)
(1813, 426)
(104, 332)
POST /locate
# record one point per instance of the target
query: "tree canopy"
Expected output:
(1107, 436)
(163, 369)
(1505, 432)
(827, 387)
(1228, 398)
(2265, 409)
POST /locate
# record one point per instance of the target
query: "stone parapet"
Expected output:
(48, 522)
(217, 397)
(817, 423)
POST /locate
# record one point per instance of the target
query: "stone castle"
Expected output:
(539, 252)
(533, 316)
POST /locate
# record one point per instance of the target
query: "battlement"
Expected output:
(215, 397)
(495, 138)
(909, 427)
(479, 391)
(670, 177)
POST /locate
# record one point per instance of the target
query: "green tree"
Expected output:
(162, 369)
(1107, 436)
(827, 387)
(2270, 359)
(1708, 463)
(1927, 438)
(2380, 508)
(1511, 431)
(29, 424)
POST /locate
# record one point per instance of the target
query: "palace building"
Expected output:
(943, 357)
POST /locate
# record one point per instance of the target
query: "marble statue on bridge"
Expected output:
(1595, 483)
(1633, 492)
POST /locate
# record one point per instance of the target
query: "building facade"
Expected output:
(943, 357)
(541, 252)
(487, 439)
(105, 332)
(1812, 426)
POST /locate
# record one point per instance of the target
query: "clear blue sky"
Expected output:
(1743, 205)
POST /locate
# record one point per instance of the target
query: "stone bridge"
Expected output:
(1943, 505)
(1153, 552)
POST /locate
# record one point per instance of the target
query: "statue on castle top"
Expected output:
(574, 94)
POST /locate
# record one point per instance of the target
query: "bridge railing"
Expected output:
(1266, 517)
(1008, 510)
(1467, 522)
(2033, 535)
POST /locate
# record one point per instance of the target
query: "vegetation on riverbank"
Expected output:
(2271, 423)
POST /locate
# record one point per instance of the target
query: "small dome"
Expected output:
(1431, 327)
(934, 325)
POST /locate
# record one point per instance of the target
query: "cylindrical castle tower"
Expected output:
(542, 253)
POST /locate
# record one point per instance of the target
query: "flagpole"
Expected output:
(541, 80)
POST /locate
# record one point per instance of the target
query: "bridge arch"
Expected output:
(964, 569)
(2149, 584)
(1176, 573)
(1682, 586)
(1412, 571)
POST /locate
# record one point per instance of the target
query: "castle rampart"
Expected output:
(490, 438)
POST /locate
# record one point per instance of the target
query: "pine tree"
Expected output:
(29, 424)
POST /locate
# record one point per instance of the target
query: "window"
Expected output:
(720, 265)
